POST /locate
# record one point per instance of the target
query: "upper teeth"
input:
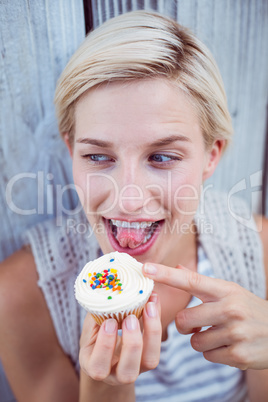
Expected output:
(134, 225)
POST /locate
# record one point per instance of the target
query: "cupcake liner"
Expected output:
(120, 315)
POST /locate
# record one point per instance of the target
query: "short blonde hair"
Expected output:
(139, 45)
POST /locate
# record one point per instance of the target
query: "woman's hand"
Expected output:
(105, 356)
(237, 319)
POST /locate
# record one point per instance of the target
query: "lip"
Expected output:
(142, 249)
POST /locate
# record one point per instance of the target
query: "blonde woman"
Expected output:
(142, 110)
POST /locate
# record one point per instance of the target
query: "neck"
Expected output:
(185, 253)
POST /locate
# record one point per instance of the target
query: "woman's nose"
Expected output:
(132, 186)
(137, 194)
(131, 198)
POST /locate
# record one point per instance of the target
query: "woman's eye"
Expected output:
(162, 158)
(98, 158)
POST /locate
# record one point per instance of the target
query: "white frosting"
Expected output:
(129, 271)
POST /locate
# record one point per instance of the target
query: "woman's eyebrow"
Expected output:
(169, 140)
(160, 142)
(98, 143)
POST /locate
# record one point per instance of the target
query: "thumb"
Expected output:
(89, 332)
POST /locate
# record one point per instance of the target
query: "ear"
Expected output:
(213, 158)
(66, 139)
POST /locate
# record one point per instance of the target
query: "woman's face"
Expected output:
(139, 161)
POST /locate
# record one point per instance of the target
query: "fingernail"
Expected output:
(131, 322)
(149, 269)
(154, 297)
(151, 309)
(110, 326)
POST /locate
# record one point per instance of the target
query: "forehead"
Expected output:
(144, 106)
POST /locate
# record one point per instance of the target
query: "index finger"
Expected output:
(201, 286)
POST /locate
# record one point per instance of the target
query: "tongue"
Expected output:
(131, 238)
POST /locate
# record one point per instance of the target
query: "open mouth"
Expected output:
(132, 237)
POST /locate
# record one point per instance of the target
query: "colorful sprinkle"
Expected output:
(84, 281)
(112, 259)
(141, 291)
(109, 297)
(107, 279)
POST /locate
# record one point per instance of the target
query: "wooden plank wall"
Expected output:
(37, 39)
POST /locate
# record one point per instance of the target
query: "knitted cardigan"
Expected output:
(226, 232)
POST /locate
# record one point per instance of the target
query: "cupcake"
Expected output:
(113, 286)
